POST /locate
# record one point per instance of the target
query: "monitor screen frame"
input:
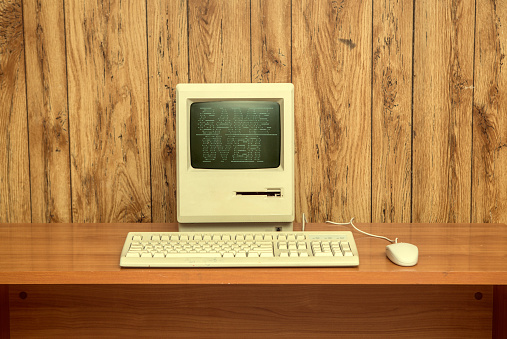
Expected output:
(268, 151)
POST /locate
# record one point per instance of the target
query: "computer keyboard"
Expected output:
(239, 249)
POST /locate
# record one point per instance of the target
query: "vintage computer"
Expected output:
(235, 156)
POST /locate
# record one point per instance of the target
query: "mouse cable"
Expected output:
(357, 229)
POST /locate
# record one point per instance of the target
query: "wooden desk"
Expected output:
(64, 280)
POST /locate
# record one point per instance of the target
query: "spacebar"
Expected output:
(193, 255)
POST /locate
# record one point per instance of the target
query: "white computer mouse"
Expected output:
(402, 253)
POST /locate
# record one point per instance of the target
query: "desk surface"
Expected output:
(471, 254)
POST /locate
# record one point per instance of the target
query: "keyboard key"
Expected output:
(323, 254)
(302, 245)
(345, 246)
(193, 255)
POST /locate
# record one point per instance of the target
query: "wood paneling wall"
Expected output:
(400, 111)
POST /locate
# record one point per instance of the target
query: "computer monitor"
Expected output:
(235, 156)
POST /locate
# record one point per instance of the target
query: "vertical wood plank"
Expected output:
(332, 78)
(47, 110)
(443, 74)
(271, 41)
(168, 66)
(392, 111)
(219, 41)
(14, 162)
(108, 111)
(489, 184)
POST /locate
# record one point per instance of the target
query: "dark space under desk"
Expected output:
(65, 280)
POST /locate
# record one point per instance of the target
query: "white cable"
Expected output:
(304, 222)
(357, 229)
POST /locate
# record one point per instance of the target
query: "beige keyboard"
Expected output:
(233, 249)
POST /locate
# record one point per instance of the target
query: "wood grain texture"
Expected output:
(47, 110)
(392, 111)
(168, 62)
(350, 62)
(489, 185)
(219, 41)
(331, 65)
(296, 311)
(442, 134)
(14, 161)
(271, 41)
(108, 111)
(76, 253)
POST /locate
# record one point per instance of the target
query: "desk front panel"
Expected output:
(84, 311)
